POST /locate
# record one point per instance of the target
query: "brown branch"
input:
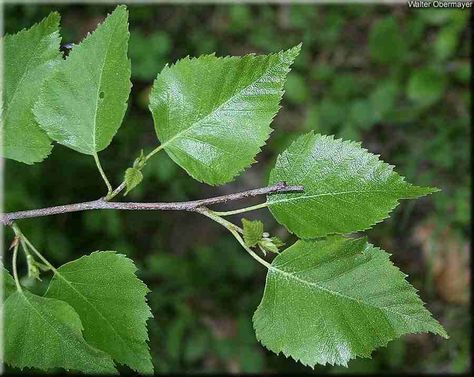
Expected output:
(192, 206)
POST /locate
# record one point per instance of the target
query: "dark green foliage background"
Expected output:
(393, 77)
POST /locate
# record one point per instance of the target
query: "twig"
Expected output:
(192, 206)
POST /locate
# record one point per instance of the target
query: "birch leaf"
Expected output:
(346, 188)
(331, 300)
(132, 179)
(103, 288)
(82, 105)
(30, 57)
(213, 114)
(9, 286)
(46, 333)
(253, 231)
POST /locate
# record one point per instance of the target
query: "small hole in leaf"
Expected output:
(101, 95)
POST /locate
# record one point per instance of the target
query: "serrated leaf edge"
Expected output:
(352, 356)
(142, 284)
(270, 130)
(73, 53)
(32, 367)
(351, 143)
(55, 17)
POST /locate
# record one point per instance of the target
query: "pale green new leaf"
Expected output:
(30, 57)
(331, 300)
(346, 188)
(133, 177)
(277, 242)
(82, 105)
(45, 333)
(267, 245)
(253, 231)
(103, 288)
(213, 114)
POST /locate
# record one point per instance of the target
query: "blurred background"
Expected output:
(395, 78)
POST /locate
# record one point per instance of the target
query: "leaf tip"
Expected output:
(54, 17)
(295, 50)
(419, 191)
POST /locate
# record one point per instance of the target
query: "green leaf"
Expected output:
(463, 72)
(297, 89)
(386, 43)
(133, 177)
(272, 244)
(346, 188)
(148, 53)
(110, 299)
(362, 114)
(331, 300)
(253, 231)
(33, 269)
(213, 114)
(30, 57)
(383, 98)
(45, 333)
(268, 245)
(426, 86)
(9, 286)
(446, 42)
(277, 242)
(82, 105)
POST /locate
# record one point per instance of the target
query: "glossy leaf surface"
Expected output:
(346, 188)
(213, 114)
(331, 300)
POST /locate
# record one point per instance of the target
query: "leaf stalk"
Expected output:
(232, 228)
(102, 173)
(15, 272)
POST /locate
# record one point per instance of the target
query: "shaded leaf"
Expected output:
(386, 42)
(30, 57)
(213, 114)
(331, 300)
(446, 42)
(346, 188)
(148, 53)
(82, 105)
(110, 299)
(383, 98)
(362, 114)
(297, 89)
(426, 86)
(45, 333)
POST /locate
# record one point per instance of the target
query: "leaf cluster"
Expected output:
(328, 297)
